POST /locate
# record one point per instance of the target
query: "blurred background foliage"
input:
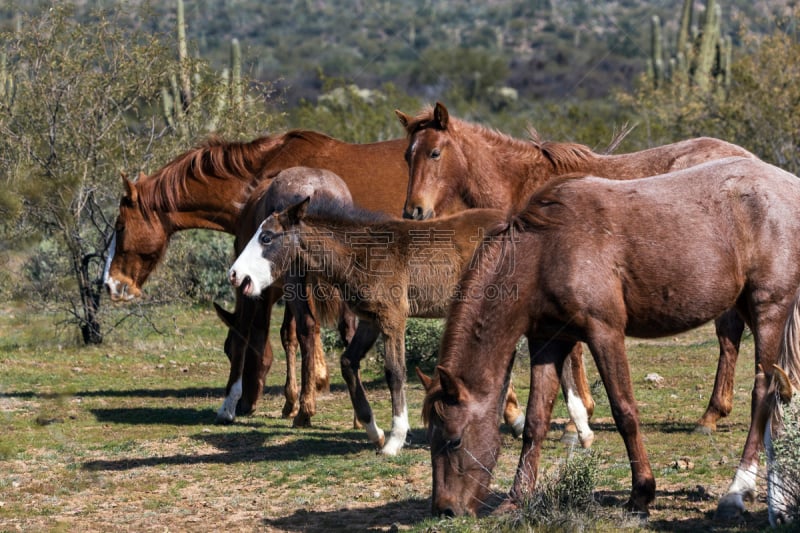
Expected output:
(91, 88)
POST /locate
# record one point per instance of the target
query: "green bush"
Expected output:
(422, 341)
(564, 497)
(787, 452)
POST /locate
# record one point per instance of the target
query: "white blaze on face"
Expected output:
(111, 248)
(250, 270)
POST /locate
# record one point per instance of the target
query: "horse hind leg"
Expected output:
(578, 396)
(364, 338)
(730, 328)
(290, 343)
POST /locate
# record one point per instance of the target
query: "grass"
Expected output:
(122, 437)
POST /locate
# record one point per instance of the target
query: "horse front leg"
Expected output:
(290, 344)
(743, 487)
(226, 414)
(547, 360)
(730, 327)
(364, 338)
(395, 370)
(578, 396)
(310, 349)
(608, 349)
(258, 354)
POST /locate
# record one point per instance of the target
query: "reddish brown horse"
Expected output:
(387, 270)
(454, 164)
(207, 186)
(667, 254)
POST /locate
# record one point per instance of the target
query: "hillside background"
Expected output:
(547, 50)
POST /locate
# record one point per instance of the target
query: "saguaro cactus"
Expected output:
(702, 55)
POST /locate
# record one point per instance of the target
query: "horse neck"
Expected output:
(327, 249)
(469, 335)
(502, 171)
(206, 188)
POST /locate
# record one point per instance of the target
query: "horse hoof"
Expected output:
(302, 420)
(518, 427)
(224, 419)
(586, 442)
(569, 438)
(506, 506)
(702, 429)
(289, 410)
(730, 508)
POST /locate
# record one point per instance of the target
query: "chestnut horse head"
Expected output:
(139, 241)
(435, 163)
(201, 188)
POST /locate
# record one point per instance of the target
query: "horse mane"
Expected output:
(213, 158)
(332, 211)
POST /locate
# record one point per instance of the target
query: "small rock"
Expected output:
(654, 378)
(684, 463)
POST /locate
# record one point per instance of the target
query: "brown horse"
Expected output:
(454, 164)
(386, 269)
(247, 333)
(207, 186)
(666, 254)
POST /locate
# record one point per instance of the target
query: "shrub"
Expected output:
(787, 453)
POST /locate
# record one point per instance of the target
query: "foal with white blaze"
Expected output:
(386, 270)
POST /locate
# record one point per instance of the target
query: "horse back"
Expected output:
(375, 173)
(669, 252)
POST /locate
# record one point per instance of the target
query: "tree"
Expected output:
(85, 104)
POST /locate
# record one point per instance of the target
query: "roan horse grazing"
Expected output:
(454, 164)
(664, 254)
(207, 186)
(386, 270)
(247, 333)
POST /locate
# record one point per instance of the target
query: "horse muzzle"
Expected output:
(418, 213)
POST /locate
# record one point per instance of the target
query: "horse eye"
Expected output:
(436, 153)
(265, 239)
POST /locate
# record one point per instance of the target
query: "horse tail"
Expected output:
(789, 353)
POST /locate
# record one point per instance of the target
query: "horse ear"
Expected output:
(405, 120)
(440, 116)
(427, 382)
(451, 385)
(130, 188)
(298, 211)
(785, 388)
(226, 316)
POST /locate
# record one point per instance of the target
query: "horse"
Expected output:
(247, 333)
(387, 269)
(207, 186)
(605, 259)
(454, 164)
(783, 496)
